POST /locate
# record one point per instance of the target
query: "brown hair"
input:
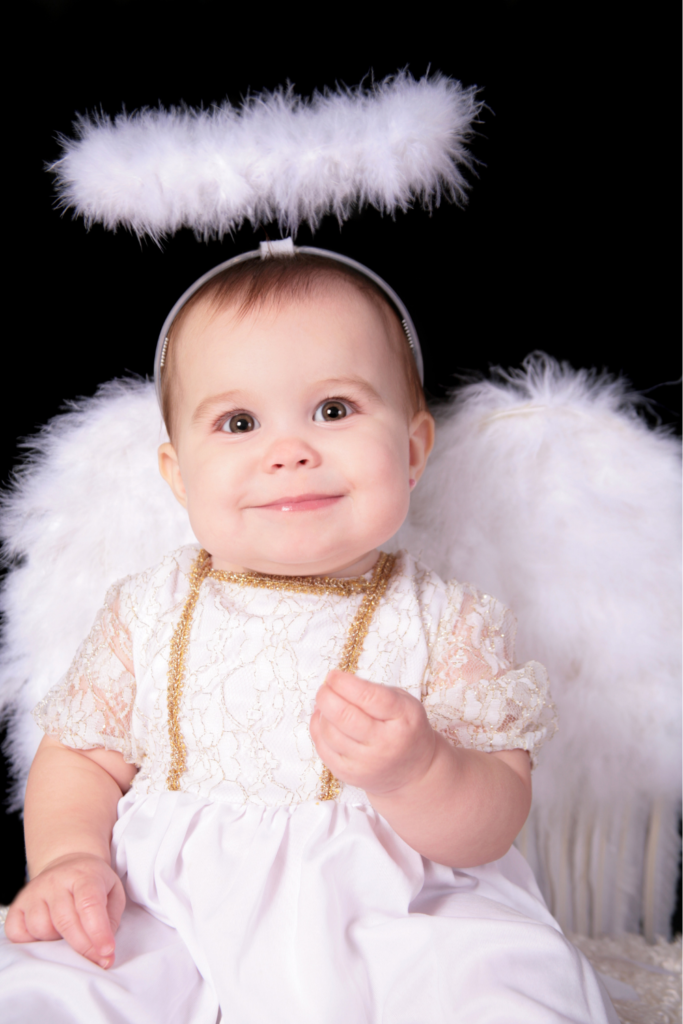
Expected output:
(254, 283)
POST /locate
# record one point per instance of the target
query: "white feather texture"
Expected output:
(87, 508)
(545, 489)
(278, 158)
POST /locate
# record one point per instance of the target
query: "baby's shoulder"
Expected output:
(429, 585)
(449, 603)
(156, 588)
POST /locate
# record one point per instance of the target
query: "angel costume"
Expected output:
(255, 895)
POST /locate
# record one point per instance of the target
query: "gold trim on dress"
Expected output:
(372, 591)
(176, 666)
(298, 584)
(330, 786)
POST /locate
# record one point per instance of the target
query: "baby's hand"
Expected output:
(375, 737)
(78, 898)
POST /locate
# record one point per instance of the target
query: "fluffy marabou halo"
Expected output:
(278, 158)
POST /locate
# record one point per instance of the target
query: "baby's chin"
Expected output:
(303, 544)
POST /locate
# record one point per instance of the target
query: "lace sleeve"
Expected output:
(476, 696)
(92, 705)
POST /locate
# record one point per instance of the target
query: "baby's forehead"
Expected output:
(327, 298)
(358, 332)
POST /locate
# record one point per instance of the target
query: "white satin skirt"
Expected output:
(312, 914)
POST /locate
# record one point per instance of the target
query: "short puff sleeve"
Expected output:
(475, 694)
(92, 706)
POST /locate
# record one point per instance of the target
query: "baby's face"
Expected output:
(293, 449)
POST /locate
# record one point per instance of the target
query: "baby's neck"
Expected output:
(358, 567)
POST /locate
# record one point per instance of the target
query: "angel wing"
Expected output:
(87, 508)
(547, 489)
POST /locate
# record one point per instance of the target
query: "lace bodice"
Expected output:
(254, 661)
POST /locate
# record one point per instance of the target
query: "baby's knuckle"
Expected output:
(88, 900)
(414, 720)
(372, 695)
(62, 920)
(347, 715)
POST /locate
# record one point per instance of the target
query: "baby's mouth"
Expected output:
(301, 503)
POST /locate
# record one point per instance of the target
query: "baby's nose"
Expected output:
(292, 453)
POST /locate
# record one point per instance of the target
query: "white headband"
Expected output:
(286, 247)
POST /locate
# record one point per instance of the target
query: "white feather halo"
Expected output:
(279, 158)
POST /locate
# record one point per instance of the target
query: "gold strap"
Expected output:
(176, 669)
(298, 584)
(330, 786)
(372, 591)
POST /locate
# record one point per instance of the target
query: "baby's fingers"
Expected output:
(379, 702)
(348, 718)
(67, 922)
(29, 924)
(93, 931)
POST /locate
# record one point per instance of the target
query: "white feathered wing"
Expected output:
(87, 508)
(546, 489)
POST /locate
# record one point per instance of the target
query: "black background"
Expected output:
(569, 242)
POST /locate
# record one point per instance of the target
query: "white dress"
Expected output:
(250, 899)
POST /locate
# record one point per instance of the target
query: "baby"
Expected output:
(286, 770)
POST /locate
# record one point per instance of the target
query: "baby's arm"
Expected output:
(73, 892)
(455, 806)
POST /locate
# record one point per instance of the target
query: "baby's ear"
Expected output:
(421, 442)
(170, 470)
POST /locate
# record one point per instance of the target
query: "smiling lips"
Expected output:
(302, 503)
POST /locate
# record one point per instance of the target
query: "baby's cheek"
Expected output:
(386, 486)
(209, 510)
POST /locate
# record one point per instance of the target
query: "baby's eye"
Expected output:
(332, 410)
(240, 423)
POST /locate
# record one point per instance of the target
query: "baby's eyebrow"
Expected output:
(225, 398)
(330, 385)
(351, 382)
